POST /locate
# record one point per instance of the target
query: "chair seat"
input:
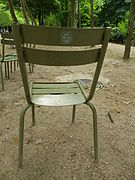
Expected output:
(10, 57)
(56, 94)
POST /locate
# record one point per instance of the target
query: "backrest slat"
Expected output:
(61, 58)
(6, 35)
(7, 38)
(7, 42)
(62, 36)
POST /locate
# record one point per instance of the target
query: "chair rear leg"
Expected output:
(21, 133)
(33, 115)
(95, 131)
(73, 113)
(17, 63)
(14, 65)
(5, 69)
(8, 69)
(30, 68)
(1, 73)
(11, 67)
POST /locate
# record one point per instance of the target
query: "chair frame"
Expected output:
(22, 35)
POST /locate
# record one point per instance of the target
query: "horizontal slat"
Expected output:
(11, 57)
(56, 91)
(42, 86)
(7, 42)
(8, 60)
(61, 36)
(7, 35)
(61, 58)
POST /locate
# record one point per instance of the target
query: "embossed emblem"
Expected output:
(66, 37)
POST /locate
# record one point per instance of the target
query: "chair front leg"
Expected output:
(95, 131)
(21, 133)
(73, 113)
(33, 115)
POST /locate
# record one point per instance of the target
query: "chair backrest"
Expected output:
(6, 39)
(60, 47)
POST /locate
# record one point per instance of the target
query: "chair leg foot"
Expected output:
(95, 131)
(33, 115)
(21, 133)
(73, 113)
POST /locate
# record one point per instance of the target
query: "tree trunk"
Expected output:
(66, 23)
(79, 17)
(73, 17)
(39, 17)
(130, 30)
(24, 11)
(12, 11)
(42, 19)
(91, 14)
(29, 13)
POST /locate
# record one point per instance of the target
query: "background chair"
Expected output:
(9, 60)
(65, 47)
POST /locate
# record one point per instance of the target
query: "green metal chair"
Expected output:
(63, 47)
(10, 60)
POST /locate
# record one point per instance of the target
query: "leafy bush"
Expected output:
(116, 35)
(5, 18)
(123, 28)
(50, 20)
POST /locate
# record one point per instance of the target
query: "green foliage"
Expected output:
(113, 11)
(19, 16)
(50, 20)
(119, 33)
(116, 35)
(123, 28)
(46, 7)
(85, 13)
(5, 18)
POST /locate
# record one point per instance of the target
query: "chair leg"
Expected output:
(8, 69)
(17, 63)
(1, 73)
(5, 69)
(95, 131)
(21, 133)
(11, 67)
(30, 68)
(14, 65)
(33, 115)
(73, 113)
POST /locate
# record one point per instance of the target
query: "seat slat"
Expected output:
(58, 100)
(42, 86)
(56, 91)
(7, 41)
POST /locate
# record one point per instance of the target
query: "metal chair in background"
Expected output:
(9, 60)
